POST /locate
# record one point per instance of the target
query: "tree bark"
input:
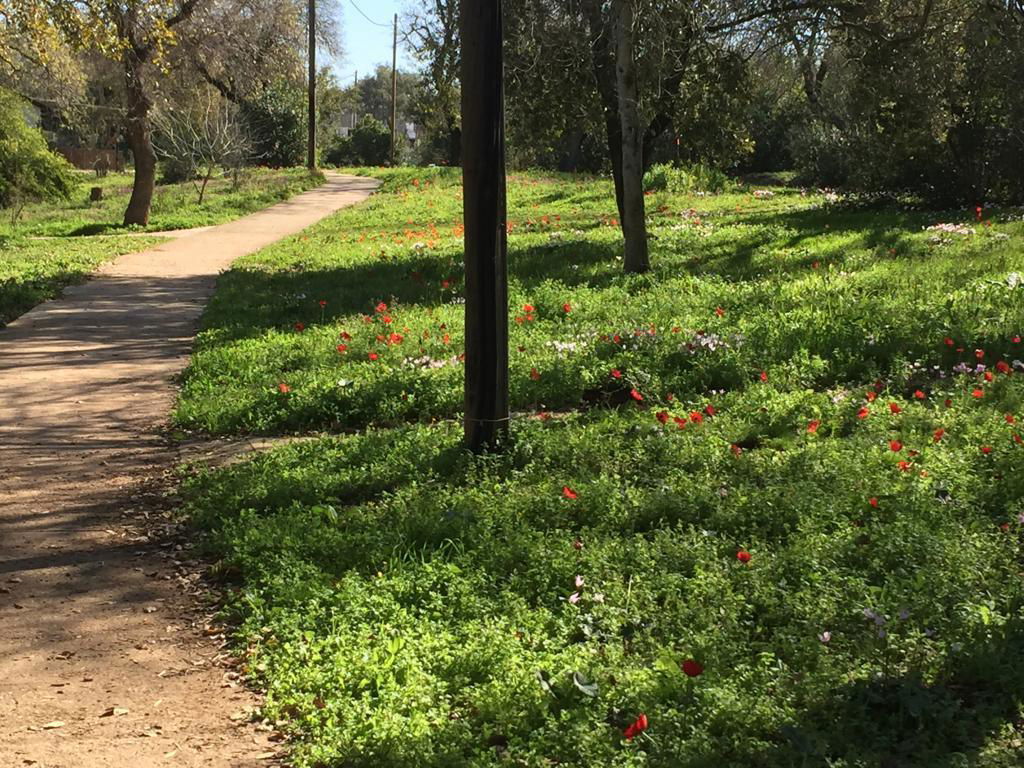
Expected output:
(483, 173)
(634, 215)
(138, 132)
(603, 62)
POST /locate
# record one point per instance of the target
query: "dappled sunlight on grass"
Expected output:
(769, 495)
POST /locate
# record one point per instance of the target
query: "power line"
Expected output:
(375, 23)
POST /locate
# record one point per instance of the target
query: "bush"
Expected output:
(693, 178)
(276, 121)
(369, 144)
(29, 172)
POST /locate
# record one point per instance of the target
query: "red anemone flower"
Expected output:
(692, 668)
(863, 413)
(939, 434)
(635, 728)
(813, 426)
(283, 388)
(873, 501)
(895, 446)
(894, 408)
(636, 395)
(616, 373)
(743, 556)
(569, 493)
(662, 416)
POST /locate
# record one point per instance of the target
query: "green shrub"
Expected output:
(277, 123)
(369, 145)
(29, 172)
(692, 178)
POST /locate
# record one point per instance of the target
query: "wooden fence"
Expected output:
(93, 159)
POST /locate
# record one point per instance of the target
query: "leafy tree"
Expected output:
(29, 172)
(432, 33)
(137, 35)
(276, 120)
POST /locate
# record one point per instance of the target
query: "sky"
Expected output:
(365, 44)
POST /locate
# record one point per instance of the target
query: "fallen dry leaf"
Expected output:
(114, 712)
(54, 724)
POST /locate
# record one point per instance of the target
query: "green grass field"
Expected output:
(769, 496)
(33, 270)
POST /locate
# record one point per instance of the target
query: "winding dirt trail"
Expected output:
(105, 660)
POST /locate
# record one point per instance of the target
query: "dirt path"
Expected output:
(92, 616)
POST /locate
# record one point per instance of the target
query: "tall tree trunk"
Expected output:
(613, 129)
(138, 133)
(603, 62)
(634, 215)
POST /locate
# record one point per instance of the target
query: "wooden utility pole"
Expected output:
(484, 215)
(311, 160)
(394, 93)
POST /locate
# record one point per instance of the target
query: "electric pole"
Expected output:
(484, 215)
(311, 161)
(394, 93)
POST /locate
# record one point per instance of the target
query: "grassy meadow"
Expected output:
(763, 506)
